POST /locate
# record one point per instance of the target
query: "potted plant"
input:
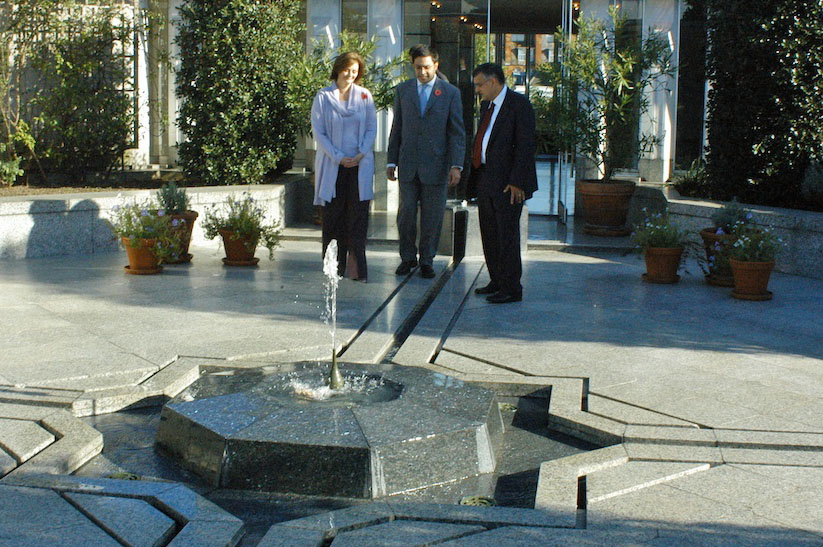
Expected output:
(147, 234)
(716, 240)
(604, 82)
(662, 244)
(752, 252)
(175, 202)
(241, 223)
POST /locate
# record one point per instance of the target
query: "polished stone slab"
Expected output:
(202, 521)
(402, 533)
(283, 536)
(34, 516)
(131, 521)
(635, 475)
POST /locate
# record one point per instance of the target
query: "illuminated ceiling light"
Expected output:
(576, 6)
(434, 19)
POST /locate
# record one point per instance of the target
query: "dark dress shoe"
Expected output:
(488, 289)
(504, 297)
(405, 267)
(426, 271)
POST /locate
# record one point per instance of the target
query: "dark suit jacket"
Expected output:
(427, 146)
(510, 151)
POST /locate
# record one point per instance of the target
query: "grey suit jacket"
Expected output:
(427, 146)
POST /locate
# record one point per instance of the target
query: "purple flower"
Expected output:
(175, 222)
(720, 232)
(144, 213)
(160, 212)
(748, 216)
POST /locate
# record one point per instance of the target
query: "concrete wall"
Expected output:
(67, 224)
(801, 231)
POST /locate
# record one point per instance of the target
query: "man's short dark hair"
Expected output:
(422, 50)
(490, 70)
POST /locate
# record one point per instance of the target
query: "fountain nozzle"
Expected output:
(335, 380)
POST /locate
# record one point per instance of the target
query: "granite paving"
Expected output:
(708, 408)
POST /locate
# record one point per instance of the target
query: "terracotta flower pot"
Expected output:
(662, 264)
(751, 279)
(606, 207)
(142, 259)
(238, 252)
(720, 274)
(185, 224)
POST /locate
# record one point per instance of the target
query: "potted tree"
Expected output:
(241, 224)
(175, 202)
(147, 235)
(716, 240)
(752, 253)
(662, 244)
(604, 83)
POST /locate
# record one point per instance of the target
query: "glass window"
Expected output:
(354, 16)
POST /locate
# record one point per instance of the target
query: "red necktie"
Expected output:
(477, 152)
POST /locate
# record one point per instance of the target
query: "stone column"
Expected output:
(161, 112)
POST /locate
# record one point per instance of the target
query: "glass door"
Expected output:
(565, 161)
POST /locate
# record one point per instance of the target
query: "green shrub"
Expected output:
(85, 119)
(245, 218)
(766, 99)
(311, 73)
(752, 243)
(658, 231)
(135, 221)
(173, 199)
(235, 59)
(731, 214)
(694, 181)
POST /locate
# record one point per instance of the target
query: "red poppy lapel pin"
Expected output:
(438, 92)
(364, 96)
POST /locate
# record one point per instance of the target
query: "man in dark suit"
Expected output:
(427, 144)
(503, 176)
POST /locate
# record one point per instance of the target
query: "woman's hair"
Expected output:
(344, 61)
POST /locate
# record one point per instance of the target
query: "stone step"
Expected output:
(22, 439)
(7, 463)
(635, 475)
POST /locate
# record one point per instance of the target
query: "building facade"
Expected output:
(518, 34)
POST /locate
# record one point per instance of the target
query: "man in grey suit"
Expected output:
(427, 144)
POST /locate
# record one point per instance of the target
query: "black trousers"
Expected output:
(346, 219)
(500, 233)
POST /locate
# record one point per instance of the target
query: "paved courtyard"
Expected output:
(708, 409)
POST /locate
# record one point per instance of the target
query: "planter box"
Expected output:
(801, 231)
(68, 224)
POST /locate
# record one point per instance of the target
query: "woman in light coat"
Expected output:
(344, 123)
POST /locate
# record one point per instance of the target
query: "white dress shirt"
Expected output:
(498, 102)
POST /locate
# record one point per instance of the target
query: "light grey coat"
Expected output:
(427, 146)
(327, 117)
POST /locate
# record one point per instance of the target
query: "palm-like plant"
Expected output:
(602, 88)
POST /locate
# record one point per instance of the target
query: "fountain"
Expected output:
(362, 431)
